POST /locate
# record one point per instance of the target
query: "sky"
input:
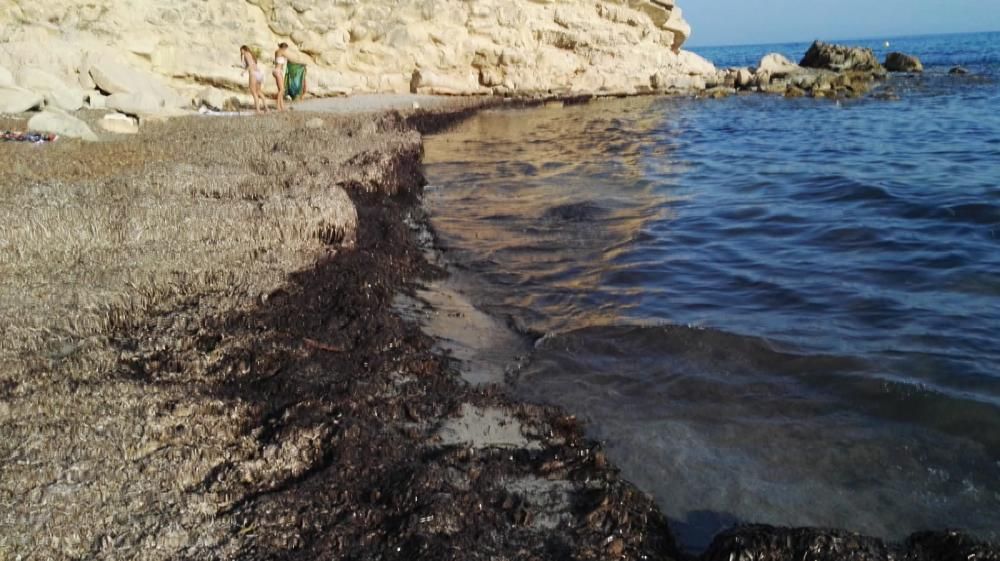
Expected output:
(744, 22)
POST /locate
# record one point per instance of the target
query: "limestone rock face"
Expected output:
(351, 46)
(900, 62)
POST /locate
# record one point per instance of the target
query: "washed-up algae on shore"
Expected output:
(202, 361)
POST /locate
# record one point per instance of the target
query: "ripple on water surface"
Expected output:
(773, 311)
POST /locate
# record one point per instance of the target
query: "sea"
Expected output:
(770, 310)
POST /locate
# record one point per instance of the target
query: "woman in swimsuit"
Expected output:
(256, 78)
(280, 59)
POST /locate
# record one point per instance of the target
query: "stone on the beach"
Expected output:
(56, 92)
(115, 77)
(777, 65)
(216, 99)
(119, 123)
(18, 100)
(138, 104)
(901, 62)
(958, 71)
(315, 123)
(62, 124)
(840, 58)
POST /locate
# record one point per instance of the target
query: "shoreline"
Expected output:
(349, 434)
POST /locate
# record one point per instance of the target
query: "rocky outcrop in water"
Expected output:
(901, 62)
(171, 52)
(833, 71)
(841, 58)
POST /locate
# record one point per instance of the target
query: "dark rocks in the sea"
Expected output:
(794, 91)
(841, 58)
(902, 62)
(958, 71)
(759, 541)
(827, 71)
(717, 92)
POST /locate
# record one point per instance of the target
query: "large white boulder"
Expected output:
(55, 91)
(139, 103)
(19, 100)
(115, 77)
(119, 124)
(62, 124)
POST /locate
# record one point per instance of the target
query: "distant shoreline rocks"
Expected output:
(825, 71)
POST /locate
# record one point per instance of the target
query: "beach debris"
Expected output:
(902, 62)
(28, 136)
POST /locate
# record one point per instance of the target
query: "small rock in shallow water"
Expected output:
(958, 71)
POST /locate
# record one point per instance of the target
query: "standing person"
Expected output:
(256, 78)
(280, 61)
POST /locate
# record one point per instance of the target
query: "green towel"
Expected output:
(295, 80)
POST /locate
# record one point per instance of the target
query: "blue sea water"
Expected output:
(772, 310)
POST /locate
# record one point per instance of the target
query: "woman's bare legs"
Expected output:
(259, 102)
(279, 79)
(255, 91)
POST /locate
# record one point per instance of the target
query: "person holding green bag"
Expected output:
(295, 80)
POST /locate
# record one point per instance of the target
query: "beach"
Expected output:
(205, 362)
(216, 352)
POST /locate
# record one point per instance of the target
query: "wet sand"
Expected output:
(317, 418)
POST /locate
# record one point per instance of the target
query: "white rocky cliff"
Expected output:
(158, 55)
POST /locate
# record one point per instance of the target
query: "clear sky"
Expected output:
(739, 22)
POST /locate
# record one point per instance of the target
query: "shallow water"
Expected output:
(779, 311)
